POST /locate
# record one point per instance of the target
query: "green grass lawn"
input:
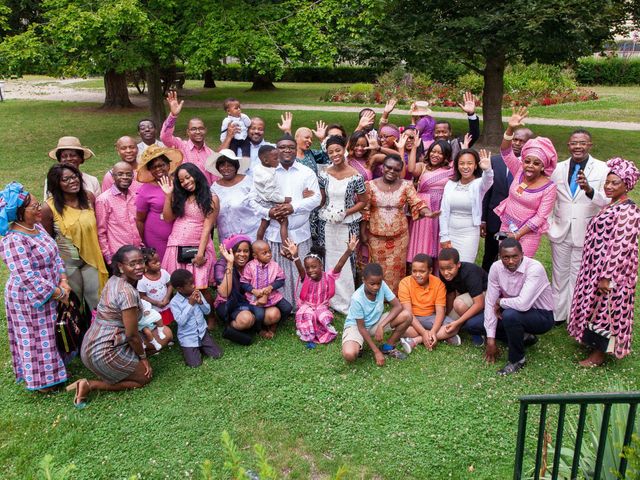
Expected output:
(441, 414)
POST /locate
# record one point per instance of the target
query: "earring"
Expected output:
(121, 271)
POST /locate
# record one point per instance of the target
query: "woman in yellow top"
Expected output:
(68, 216)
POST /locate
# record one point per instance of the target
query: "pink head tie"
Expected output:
(542, 148)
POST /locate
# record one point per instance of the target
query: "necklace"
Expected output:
(34, 229)
(624, 198)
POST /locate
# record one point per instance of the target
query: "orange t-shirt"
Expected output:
(423, 300)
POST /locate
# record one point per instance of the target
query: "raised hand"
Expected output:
(166, 184)
(291, 247)
(352, 244)
(366, 120)
(286, 120)
(469, 103)
(226, 254)
(390, 105)
(175, 106)
(373, 142)
(485, 159)
(466, 141)
(321, 130)
(401, 142)
(517, 117)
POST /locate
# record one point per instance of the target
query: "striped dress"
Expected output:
(105, 350)
(313, 318)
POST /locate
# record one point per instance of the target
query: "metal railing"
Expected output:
(583, 400)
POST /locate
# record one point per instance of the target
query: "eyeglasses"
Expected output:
(197, 129)
(35, 205)
(69, 178)
(578, 144)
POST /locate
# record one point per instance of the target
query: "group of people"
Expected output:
(390, 215)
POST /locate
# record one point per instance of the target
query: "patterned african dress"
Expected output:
(361, 167)
(424, 234)
(525, 206)
(389, 228)
(313, 318)
(334, 230)
(610, 251)
(105, 349)
(34, 273)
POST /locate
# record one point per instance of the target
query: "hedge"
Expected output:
(238, 73)
(608, 71)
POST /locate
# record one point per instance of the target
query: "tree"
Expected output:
(486, 35)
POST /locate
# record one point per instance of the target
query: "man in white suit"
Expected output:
(580, 182)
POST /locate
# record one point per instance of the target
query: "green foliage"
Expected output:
(608, 71)
(50, 471)
(23, 53)
(632, 454)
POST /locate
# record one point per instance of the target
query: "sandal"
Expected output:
(79, 401)
(588, 363)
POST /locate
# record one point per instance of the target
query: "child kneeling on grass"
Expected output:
(189, 309)
(313, 318)
(365, 318)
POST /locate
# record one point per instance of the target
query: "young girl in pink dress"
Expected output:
(432, 174)
(313, 318)
(190, 206)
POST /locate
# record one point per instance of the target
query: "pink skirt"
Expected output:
(203, 276)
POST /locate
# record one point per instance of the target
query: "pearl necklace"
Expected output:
(34, 229)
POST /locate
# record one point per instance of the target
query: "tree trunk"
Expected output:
(209, 82)
(492, 101)
(116, 92)
(262, 82)
(156, 97)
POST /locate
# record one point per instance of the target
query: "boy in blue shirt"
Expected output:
(365, 319)
(189, 309)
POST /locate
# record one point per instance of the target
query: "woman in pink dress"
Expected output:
(532, 194)
(193, 211)
(602, 307)
(432, 174)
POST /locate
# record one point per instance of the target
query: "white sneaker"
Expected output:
(407, 344)
(455, 340)
(156, 345)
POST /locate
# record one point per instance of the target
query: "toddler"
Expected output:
(239, 119)
(150, 321)
(313, 318)
(155, 286)
(189, 309)
(261, 279)
(267, 189)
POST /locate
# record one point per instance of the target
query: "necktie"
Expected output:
(573, 184)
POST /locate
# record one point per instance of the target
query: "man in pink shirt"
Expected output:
(116, 213)
(518, 304)
(128, 152)
(193, 150)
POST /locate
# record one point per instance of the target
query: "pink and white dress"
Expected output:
(313, 318)
(187, 231)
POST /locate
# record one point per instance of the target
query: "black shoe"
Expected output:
(560, 323)
(530, 339)
(510, 368)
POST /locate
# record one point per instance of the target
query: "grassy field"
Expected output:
(441, 414)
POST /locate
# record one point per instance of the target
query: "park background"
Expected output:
(441, 414)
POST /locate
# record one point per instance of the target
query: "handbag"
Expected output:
(71, 324)
(186, 254)
(598, 338)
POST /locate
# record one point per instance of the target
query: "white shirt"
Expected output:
(236, 214)
(143, 146)
(266, 185)
(242, 122)
(253, 154)
(292, 183)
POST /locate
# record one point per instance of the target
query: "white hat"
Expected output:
(242, 163)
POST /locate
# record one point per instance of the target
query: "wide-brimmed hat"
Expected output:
(420, 108)
(152, 152)
(241, 162)
(70, 143)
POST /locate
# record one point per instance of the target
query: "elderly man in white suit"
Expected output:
(580, 182)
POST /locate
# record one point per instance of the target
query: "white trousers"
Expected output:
(566, 258)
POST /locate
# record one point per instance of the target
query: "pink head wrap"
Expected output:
(234, 240)
(388, 130)
(542, 148)
(626, 170)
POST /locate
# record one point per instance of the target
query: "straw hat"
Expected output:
(242, 163)
(70, 143)
(152, 152)
(420, 108)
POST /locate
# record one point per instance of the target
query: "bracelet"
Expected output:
(143, 356)
(508, 138)
(295, 259)
(62, 294)
(228, 270)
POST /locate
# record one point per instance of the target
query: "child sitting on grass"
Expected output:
(313, 318)
(150, 321)
(261, 279)
(267, 189)
(154, 286)
(365, 319)
(189, 309)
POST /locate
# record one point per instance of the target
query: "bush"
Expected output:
(238, 73)
(608, 71)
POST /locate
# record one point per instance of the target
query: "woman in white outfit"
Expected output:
(461, 207)
(343, 197)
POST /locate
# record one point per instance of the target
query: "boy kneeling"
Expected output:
(365, 318)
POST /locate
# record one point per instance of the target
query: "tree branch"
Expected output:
(471, 67)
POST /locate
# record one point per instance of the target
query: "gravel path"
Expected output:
(54, 90)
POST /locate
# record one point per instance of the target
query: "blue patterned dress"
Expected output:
(34, 273)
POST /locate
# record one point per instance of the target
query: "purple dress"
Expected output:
(34, 273)
(150, 199)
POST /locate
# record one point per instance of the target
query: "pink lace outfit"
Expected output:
(313, 318)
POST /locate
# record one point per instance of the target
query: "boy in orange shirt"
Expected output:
(424, 296)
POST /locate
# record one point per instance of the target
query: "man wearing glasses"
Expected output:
(580, 182)
(194, 150)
